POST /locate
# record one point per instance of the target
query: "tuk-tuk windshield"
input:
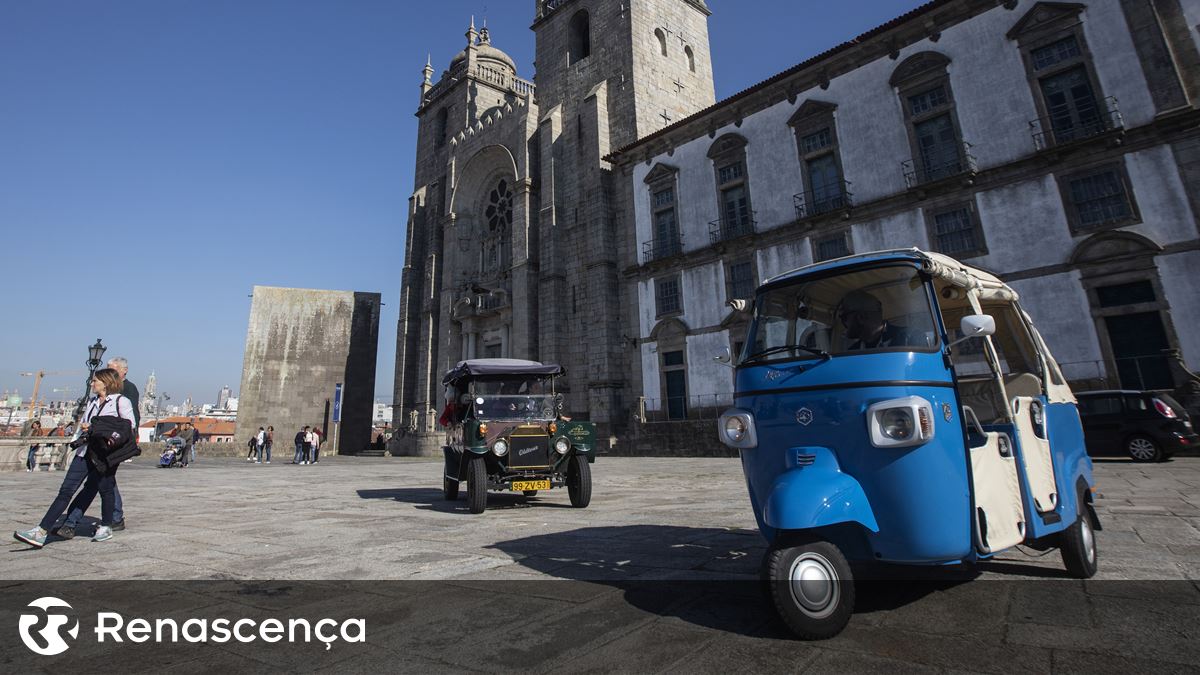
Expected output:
(514, 399)
(880, 309)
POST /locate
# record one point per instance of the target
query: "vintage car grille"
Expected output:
(528, 452)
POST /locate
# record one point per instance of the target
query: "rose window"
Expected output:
(499, 212)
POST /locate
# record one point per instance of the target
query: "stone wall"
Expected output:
(299, 345)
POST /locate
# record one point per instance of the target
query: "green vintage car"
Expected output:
(506, 432)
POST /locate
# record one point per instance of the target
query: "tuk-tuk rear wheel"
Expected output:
(1078, 548)
(476, 485)
(811, 587)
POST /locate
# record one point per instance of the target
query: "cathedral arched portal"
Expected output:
(485, 203)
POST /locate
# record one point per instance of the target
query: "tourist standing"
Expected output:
(308, 445)
(300, 445)
(195, 442)
(85, 473)
(35, 430)
(260, 439)
(268, 441)
(316, 451)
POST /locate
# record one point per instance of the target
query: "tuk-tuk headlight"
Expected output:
(500, 448)
(897, 423)
(900, 422)
(562, 446)
(736, 429)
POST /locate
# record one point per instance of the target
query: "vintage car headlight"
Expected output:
(736, 429)
(900, 422)
(562, 446)
(500, 448)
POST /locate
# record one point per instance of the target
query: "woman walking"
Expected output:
(106, 384)
(35, 429)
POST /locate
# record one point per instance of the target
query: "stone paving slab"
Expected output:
(656, 528)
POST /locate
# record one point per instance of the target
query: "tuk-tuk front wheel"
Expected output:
(811, 587)
(579, 482)
(476, 485)
(1078, 548)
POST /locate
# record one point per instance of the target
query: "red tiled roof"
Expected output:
(206, 425)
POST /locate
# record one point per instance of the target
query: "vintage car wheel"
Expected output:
(476, 485)
(811, 587)
(1143, 449)
(1078, 548)
(579, 482)
(449, 489)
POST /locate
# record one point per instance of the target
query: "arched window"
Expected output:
(498, 218)
(662, 40)
(579, 43)
(691, 58)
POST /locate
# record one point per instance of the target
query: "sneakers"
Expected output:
(103, 533)
(119, 525)
(66, 532)
(35, 537)
(305, 462)
(257, 462)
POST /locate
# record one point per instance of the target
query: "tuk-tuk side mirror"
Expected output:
(725, 358)
(975, 326)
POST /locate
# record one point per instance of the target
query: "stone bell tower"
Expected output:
(608, 73)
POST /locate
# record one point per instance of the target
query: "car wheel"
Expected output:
(579, 482)
(449, 489)
(1143, 449)
(476, 485)
(530, 493)
(1077, 544)
(811, 587)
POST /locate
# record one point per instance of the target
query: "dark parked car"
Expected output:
(1145, 425)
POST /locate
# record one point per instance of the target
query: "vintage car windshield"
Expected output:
(514, 399)
(880, 309)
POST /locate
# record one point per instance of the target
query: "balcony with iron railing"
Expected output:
(725, 229)
(657, 249)
(1068, 126)
(919, 172)
(825, 199)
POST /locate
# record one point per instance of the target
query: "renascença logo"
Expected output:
(51, 642)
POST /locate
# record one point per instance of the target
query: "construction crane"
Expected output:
(37, 383)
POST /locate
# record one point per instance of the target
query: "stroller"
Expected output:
(173, 455)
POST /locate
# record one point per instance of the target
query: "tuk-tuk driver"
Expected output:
(862, 315)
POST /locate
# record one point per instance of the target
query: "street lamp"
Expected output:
(95, 353)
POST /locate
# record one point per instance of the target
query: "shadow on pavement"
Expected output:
(432, 500)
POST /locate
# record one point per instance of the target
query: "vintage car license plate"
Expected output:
(522, 485)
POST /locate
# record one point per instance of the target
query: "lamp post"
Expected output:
(95, 354)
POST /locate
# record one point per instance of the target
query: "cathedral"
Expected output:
(513, 238)
(612, 217)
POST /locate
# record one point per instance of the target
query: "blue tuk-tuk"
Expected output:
(900, 407)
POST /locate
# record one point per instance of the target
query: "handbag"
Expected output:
(110, 440)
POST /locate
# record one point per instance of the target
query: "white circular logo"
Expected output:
(47, 639)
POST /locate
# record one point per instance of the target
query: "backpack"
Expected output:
(110, 440)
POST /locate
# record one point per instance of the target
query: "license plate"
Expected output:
(523, 485)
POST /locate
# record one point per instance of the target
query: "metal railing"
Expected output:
(704, 407)
(920, 172)
(657, 249)
(832, 197)
(1058, 130)
(1144, 372)
(725, 229)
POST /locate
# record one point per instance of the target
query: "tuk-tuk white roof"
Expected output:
(937, 264)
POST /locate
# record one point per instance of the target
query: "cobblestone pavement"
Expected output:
(650, 520)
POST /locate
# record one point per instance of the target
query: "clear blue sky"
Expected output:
(159, 159)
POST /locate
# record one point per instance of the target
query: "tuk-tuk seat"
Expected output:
(981, 395)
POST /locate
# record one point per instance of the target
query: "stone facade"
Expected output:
(513, 235)
(300, 343)
(1070, 135)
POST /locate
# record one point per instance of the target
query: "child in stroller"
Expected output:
(173, 455)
